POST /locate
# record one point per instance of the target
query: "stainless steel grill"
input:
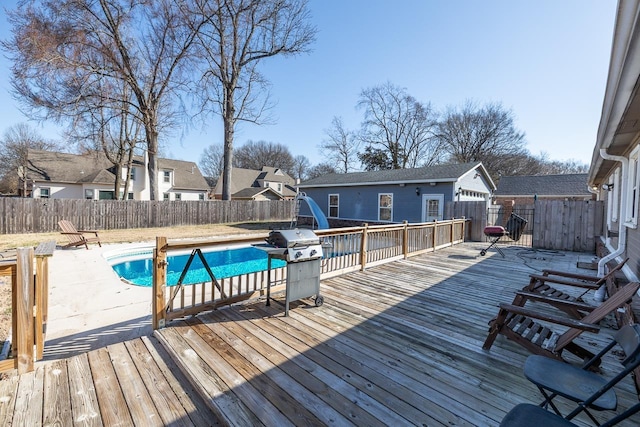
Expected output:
(294, 245)
(302, 250)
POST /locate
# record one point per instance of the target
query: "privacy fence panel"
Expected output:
(568, 225)
(18, 215)
(551, 224)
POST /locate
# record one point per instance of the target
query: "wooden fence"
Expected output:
(346, 249)
(555, 224)
(29, 303)
(558, 225)
(21, 215)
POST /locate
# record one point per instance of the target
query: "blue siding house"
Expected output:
(414, 195)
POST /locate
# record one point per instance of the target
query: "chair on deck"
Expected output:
(554, 378)
(539, 285)
(77, 237)
(517, 324)
(528, 415)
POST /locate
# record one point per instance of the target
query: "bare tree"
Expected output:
(113, 129)
(237, 37)
(65, 51)
(375, 159)
(341, 146)
(14, 149)
(321, 169)
(480, 133)
(256, 154)
(397, 124)
(301, 165)
(211, 160)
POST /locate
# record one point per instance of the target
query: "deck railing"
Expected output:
(29, 304)
(345, 250)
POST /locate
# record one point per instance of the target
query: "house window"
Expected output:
(133, 174)
(385, 207)
(165, 196)
(106, 195)
(201, 196)
(632, 194)
(130, 196)
(166, 176)
(279, 187)
(178, 196)
(45, 192)
(88, 193)
(334, 204)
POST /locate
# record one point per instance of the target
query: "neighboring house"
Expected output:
(524, 190)
(414, 195)
(266, 184)
(91, 176)
(614, 171)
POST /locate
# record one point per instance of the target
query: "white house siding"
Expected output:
(186, 195)
(138, 186)
(472, 188)
(58, 191)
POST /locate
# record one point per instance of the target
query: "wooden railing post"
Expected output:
(43, 252)
(405, 239)
(363, 247)
(453, 231)
(435, 233)
(24, 298)
(159, 283)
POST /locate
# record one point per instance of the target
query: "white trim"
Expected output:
(390, 207)
(633, 190)
(337, 206)
(425, 199)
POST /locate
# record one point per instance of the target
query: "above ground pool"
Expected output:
(137, 268)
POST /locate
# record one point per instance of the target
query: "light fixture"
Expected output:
(607, 187)
(417, 191)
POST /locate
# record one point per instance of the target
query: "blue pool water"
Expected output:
(225, 263)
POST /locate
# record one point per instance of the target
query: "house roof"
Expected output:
(437, 173)
(96, 169)
(68, 168)
(544, 185)
(187, 176)
(249, 193)
(249, 178)
(275, 175)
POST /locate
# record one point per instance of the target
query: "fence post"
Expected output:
(363, 247)
(159, 283)
(23, 290)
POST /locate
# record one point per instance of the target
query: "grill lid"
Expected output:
(291, 238)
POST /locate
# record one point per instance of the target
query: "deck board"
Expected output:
(396, 344)
(125, 384)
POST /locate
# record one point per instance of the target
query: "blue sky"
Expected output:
(547, 60)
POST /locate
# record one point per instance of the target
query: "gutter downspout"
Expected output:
(622, 229)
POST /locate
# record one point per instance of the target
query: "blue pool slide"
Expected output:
(321, 219)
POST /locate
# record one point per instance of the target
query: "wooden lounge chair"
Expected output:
(539, 284)
(77, 237)
(517, 324)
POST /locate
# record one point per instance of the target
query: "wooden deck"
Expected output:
(397, 344)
